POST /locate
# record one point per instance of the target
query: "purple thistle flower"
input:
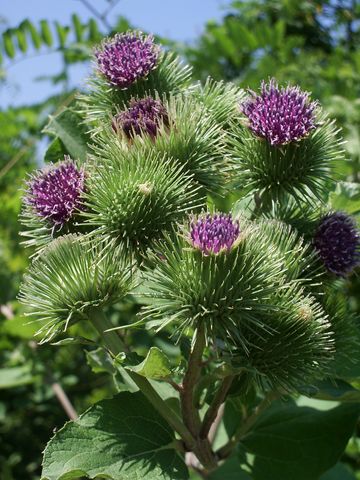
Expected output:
(55, 192)
(281, 115)
(126, 57)
(213, 233)
(337, 241)
(144, 115)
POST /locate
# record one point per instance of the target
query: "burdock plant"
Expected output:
(252, 295)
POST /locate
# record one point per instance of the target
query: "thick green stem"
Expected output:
(190, 413)
(101, 323)
(192, 375)
(115, 344)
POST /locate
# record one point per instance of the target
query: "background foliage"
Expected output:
(314, 44)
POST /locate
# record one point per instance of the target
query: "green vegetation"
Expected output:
(312, 44)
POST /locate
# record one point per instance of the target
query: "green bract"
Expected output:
(71, 276)
(301, 262)
(294, 348)
(345, 325)
(221, 99)
(37, 232)
(303, 217)
(134, 200)
(300, 169)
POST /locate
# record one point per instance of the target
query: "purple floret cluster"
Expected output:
(280, 115)
(127, 57)
(337, 241)
(144, 115)
(214, 233)
(55, 193)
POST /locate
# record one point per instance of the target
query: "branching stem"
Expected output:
(212, 411)
(114, 343)
(190, 380)
(189, 411)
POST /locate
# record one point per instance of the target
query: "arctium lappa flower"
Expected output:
(55, 192)
(127, 57)
(218, 271)
(285, 148)
(337, 241)
(214, 233)
(130, 65)
(280, 114)
(144, 116)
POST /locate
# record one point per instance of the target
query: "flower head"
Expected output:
(144, 115)
(337, 241)
(213, 233)
(126, 57)
(280, 115)
(55, 193)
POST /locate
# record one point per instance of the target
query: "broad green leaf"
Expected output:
(9, 44)
(165, 390)
(233, 415)
(348, 370)
(156, 365)
(299, 442)
(19, 327)
(322, 405)
(46, 33)
(15, 377)
(67, 126)
(55, 151)
(243, 207)
(333, 390)
(339, 472)
(346, 197)
(230, 470)
(100, 361)
(121, 439)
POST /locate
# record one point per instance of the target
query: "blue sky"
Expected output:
(177, 19)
